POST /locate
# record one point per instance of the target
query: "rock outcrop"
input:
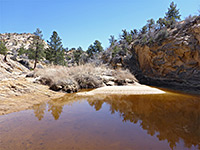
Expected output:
(14, 41)
(175, 61)
(11, 69)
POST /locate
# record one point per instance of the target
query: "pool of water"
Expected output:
(106, 122)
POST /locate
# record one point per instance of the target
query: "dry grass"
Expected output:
(84, 76)
(124, 74)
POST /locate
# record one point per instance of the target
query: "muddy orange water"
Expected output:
(157, 122)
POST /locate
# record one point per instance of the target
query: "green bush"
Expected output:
(3, 50)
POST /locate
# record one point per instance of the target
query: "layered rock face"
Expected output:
(14, 41)
(175, 61)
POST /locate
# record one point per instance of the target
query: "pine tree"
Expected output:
(55, 52)
(115, 50)
(143, 30)
(77, 54)
(90, 51)
(134, 34)
(36, 50)
(172, 13)
(161, 22)
(3, 50)
(126, 36)
(112, 40)
(97, 46)
(22, 50)
(150, 24)
(94, 49)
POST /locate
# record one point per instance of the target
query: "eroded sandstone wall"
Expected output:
(176, 61)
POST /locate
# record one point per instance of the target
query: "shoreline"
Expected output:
(21, 94)
(134, 89)
(37, 93)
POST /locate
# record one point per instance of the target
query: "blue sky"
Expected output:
(81, 22)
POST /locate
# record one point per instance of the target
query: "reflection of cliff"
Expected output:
(169, 118)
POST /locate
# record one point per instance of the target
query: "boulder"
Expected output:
(25, 63)
(110, 83)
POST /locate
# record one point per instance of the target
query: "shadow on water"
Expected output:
(169, 116)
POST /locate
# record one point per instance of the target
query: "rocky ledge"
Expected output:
(175, 61)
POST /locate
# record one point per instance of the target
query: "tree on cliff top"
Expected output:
(112, 40)
(55, 52)
(126, 36)
(172, 13)
(3, 50)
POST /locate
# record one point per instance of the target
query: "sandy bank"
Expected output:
(136, 89)
(21, 94)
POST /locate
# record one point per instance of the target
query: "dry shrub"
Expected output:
(84, 76)
(124, 74)
(88, 81)
(52, 74)
(90, 69)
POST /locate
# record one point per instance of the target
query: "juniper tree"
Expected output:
(55, 52)
(3, 50)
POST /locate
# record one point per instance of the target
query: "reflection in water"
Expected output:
(168, 117)
(56, 110)
(97, 104)
(39, 110)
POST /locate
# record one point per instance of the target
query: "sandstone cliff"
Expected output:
(175, 61)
